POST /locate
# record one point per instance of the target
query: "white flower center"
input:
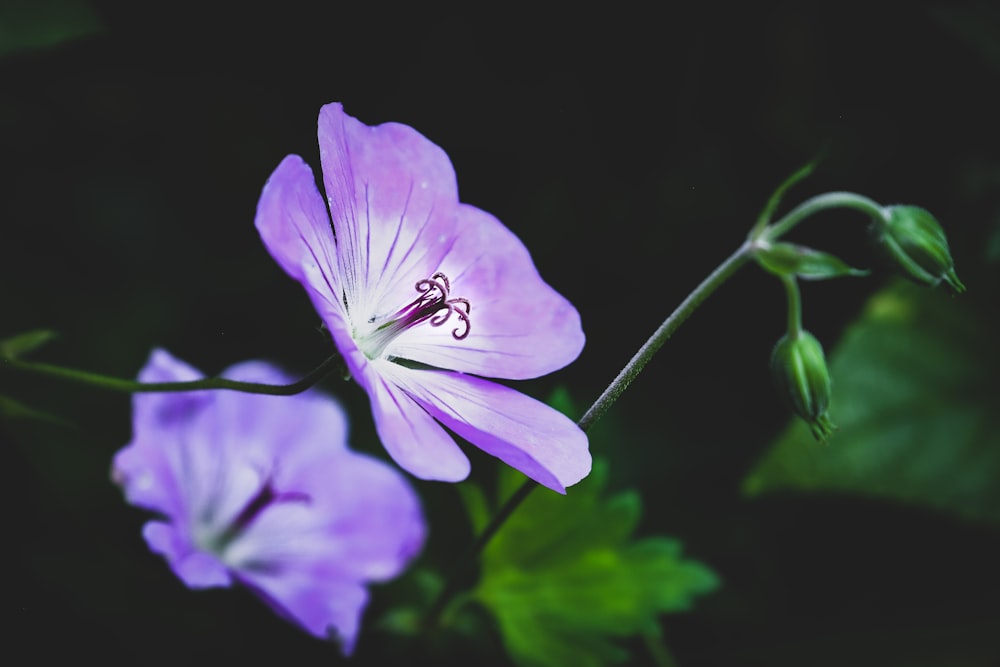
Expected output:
(217, 539)
(434, 305)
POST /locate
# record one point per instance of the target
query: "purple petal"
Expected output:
(358, 521)
(324, 606)
(177, 459)
(369, 511)
(353, 519)
(263, 429)
(195, 568)
(162, 409)
(295, 227)
(524, 433)
(393, 201)
(147, 468)
(414, 440)
(146, 475)
(353, 516)
(520, 327)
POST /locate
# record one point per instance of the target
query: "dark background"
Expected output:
(631, 151)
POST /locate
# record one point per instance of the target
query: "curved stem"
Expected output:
(664, 332)
(621, 382)
(132, 386)
(453, 583)
(815, 205)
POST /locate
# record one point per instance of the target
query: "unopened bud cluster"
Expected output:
(914, 242)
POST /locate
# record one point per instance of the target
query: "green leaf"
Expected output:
(475, 504)
(407, 619)
(772, 204)
(787, 259)
(22, 344)
(11, 409)
(564, 577)
(915, 396)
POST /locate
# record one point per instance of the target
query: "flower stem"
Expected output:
(597, 410)
(815, 205)
(635, 366)
(131, 386)
(794, 306)
(664, 332)
(760, 235)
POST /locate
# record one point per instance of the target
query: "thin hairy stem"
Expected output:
(663, 333)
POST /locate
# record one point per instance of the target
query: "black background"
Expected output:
(630, 150)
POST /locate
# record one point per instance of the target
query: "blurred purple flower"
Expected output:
(263, 491)
(423, 295)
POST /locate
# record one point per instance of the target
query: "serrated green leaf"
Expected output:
(564, 578)
(915, 396)
(788, 259)
(22, 344)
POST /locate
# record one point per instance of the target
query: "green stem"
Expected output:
(815, 205)
(759, 235)
(596, 411)
(664, 332)
(131, 386)
(794, 306)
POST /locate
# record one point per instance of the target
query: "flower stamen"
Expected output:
(435, 305)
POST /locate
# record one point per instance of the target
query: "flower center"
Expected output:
(265, 497)
(435, 305)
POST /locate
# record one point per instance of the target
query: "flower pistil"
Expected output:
(435, 305)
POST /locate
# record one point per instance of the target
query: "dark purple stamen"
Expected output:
(434, 306)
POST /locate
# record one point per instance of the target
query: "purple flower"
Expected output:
(424, 296)
(263, 491)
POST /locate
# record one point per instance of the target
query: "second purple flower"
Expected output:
(264, 491)
(424, 297)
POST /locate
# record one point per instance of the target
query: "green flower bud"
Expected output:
(918, 246)
(799, 371)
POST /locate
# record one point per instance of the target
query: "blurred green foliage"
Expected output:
(565, 577)
(916, 394)
(22, 344)
(28, 25)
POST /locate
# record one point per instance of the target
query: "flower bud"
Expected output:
(799, 371)
(918, 246)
